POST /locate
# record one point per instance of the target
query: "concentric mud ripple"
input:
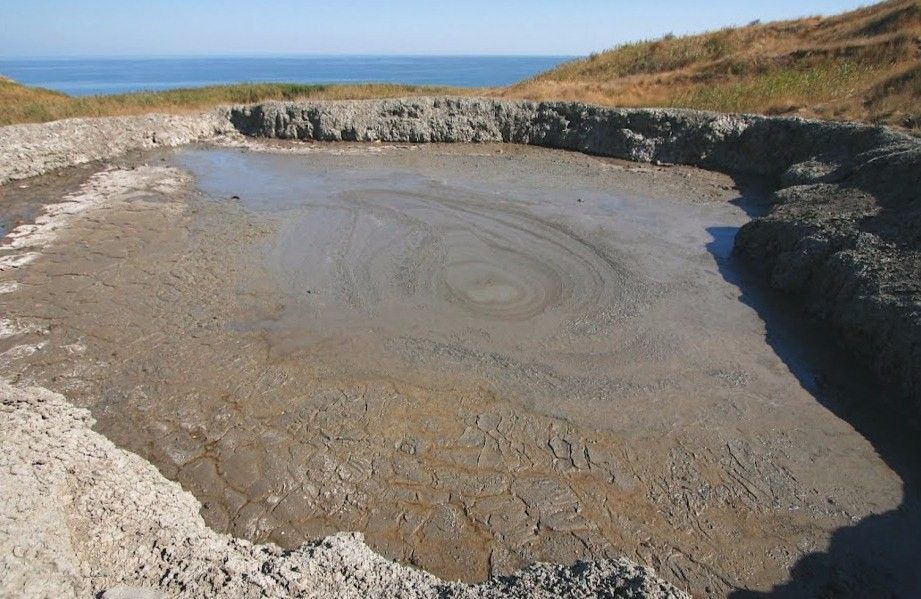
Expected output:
(459, 255)
(511, 267)
(369, 265)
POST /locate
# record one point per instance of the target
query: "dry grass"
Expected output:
(863, 65)
(22, 104)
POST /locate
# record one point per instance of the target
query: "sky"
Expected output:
(73, 28)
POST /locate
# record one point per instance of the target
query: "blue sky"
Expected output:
(236, 27)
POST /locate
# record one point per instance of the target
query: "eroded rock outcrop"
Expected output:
(850, 247)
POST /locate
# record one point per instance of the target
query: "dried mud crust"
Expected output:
(79, 516)
(30, 150)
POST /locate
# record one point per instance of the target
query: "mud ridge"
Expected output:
(30, 150)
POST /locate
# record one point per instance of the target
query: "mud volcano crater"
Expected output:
(482, 355)
(445, 347)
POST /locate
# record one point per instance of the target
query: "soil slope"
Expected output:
(863, 65)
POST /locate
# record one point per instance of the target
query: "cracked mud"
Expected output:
(479, 356)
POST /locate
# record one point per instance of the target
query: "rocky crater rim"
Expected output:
(789, 149)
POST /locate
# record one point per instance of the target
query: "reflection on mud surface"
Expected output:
(479, 357)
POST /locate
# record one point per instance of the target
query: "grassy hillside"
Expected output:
(22, 104)
(862, 65)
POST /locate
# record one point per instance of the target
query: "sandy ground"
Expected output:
(478, 356)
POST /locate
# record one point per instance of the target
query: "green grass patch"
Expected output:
(779, 89)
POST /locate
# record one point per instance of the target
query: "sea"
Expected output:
(94, 76)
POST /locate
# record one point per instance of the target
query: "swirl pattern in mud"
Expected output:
(482, 261)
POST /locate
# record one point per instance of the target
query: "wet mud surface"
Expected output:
(479, 356)
(22, 201)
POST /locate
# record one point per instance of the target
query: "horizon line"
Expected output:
(277, 55)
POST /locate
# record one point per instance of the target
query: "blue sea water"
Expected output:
(82, 77)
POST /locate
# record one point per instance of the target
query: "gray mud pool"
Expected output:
(480, 356)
